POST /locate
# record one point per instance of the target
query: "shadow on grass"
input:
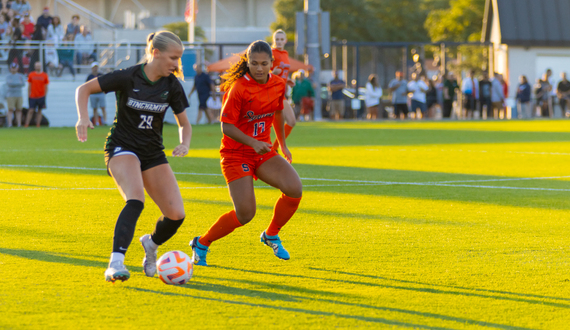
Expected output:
(59, 258)
(287, 288)
(439, 285)
(293, 310)
(424, 290)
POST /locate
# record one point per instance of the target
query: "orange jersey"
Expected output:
(251, 106)
(281, 60)
(38, 83)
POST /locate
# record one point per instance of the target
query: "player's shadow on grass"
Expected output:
(377, 320)
(416, 289)
(439, 285)
(309, 295)
(58, 258)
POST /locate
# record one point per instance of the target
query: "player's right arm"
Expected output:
(81, 101)
(231, 131)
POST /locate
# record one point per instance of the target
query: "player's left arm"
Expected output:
(185, 133)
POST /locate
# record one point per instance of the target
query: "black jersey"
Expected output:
(141, 106)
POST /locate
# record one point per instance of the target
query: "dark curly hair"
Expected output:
(240, 68)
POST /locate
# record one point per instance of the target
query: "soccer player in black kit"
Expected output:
(134, 152)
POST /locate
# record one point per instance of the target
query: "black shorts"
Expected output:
(37, 103)
(146, 163)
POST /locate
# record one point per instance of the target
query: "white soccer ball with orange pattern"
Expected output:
(175, 267)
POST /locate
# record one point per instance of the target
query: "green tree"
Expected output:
(461, 21)
(181, 30)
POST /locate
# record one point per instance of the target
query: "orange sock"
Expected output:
(287, 132)
(284, 209)
(227, 223)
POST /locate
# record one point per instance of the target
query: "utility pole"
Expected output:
(313, 56)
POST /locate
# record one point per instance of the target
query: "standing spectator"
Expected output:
(73, 28)
(97, 100)
(552, 94)
(449, 87)
(45, 19)
(27, 27)
(337, 97)
(373, 95)
(15, 53)
(55, 30)
(439, 90)
(523, 98)
(399, 88)
(485, 96)
(37, 91)
(497, 96)
(4, 26)
(15, 81)
(470, 91)
(431, 98)
(84, 47)
(563, 93)
(418, 87)
(543, 95)
(204, 86)
(303, 89)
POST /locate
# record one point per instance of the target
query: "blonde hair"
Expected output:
(274, 34)
(160, 40)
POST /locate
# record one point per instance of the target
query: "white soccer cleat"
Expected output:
(149, 261)
(117, 271)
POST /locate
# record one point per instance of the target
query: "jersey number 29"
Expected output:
(258, 128)
(146, 121)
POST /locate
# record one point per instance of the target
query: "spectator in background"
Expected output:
(15, 81)
(399, 89)
(4, 26)
(45, 19)
(37, 92)
(523, 98)
(545, 89)
(55, 30)
(449, 87)
(470, 91)
(27, 27)
(20, 7)
(373, 95)
(439, 90)
(66, 55)
(51, 58)
(73, 28)
(337, 97)
(563, 93)
(15, 54)
(85, 49)
(552, 94)
(497, 96)
(38, 36)
(97, 100)
(431, 98)
(204, 86)
(418, 87)
(485, 96)
(303, 89)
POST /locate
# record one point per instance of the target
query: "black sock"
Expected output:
(165, 229)
(125, 227)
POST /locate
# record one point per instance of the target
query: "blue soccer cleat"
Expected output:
(274, 242)
(199, 252)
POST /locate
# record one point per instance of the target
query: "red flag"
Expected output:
(191, 10)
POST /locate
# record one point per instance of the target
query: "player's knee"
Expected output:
(245, 214)
(294, 190)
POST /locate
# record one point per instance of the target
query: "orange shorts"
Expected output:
(234, 168)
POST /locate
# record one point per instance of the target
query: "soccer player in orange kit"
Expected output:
(252, 104)
(280, 68)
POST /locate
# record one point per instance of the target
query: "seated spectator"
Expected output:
(4, 26)
(15, 54)
(51, 58)
(45, 19)
(27, 27)
(66, 54)
(73, 28)
(55, 30)
(85, 47)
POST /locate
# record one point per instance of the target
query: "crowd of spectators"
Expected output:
(65, 46)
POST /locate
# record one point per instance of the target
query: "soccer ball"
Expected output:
(175, 267)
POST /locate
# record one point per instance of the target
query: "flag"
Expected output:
(191, 10)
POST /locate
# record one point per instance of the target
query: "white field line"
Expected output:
(351, 182)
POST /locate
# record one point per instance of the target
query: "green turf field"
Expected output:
(420, 225)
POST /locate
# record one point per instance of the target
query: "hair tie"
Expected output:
(151, 36)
